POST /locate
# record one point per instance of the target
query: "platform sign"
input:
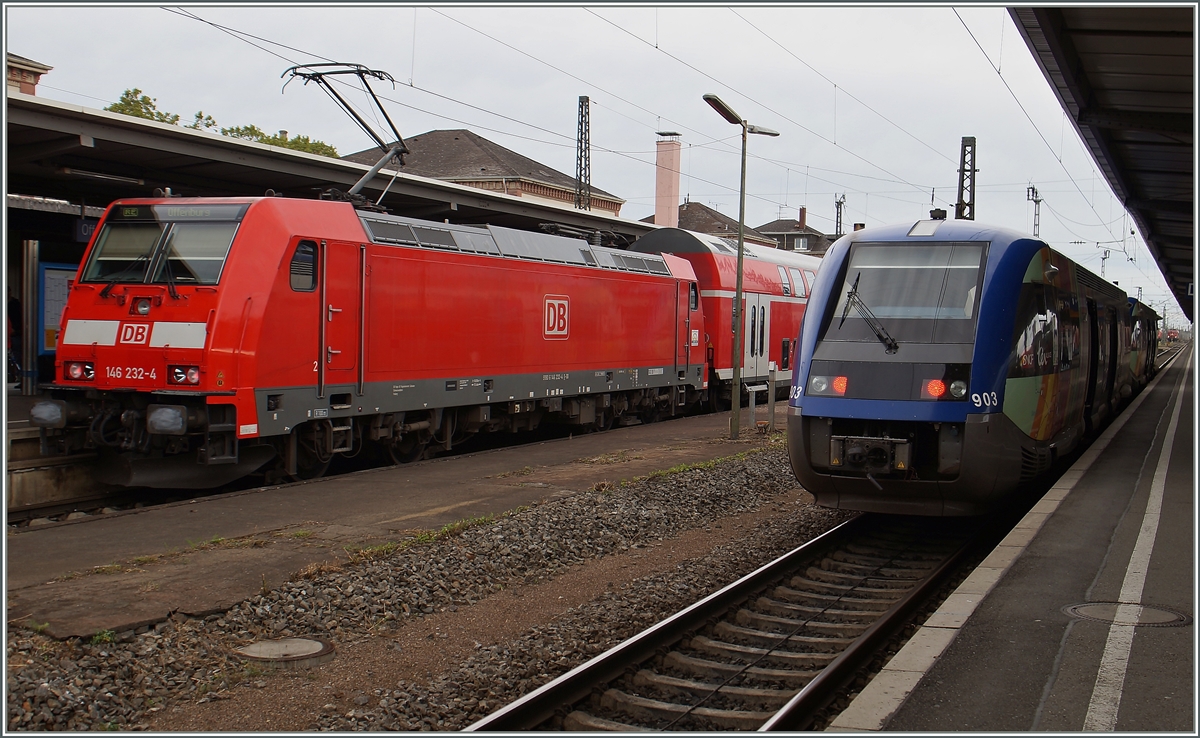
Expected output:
(53, 284)
(84, 228)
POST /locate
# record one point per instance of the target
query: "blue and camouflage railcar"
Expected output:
(943, 363)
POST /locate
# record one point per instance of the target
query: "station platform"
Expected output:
(1082, 618)
(129, 569)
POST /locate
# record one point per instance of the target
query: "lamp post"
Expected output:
(736, 392)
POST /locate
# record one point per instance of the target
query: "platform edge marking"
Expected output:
(871, 709)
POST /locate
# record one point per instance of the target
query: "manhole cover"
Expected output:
(289, 653)
(1129, 614)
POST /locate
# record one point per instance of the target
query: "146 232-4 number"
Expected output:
(131, 372)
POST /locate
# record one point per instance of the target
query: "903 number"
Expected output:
(987, 399)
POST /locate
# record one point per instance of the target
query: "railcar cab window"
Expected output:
(164, 244)
(926, 293)
(693, 296)
(303, 267)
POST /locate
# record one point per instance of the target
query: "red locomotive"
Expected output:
(205, 339)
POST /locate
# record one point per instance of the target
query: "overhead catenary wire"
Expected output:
(817, 72)
(238, 35)
(564, 141)
(757, 102)
(1027, 116)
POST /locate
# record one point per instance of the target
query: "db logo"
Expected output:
(134, 333)
(557, 317)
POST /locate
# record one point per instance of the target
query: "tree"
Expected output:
(134, 103)
(298, 143)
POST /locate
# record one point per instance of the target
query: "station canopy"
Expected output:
(1125, 77)
(69, 152)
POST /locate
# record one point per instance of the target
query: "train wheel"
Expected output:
(407, 449)
(717, 403)
(311, 459)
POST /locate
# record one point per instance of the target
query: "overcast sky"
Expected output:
(870, 103)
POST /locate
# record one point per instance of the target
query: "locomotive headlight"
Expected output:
(142, 306)
(958, 389)
(183, 374)
(819, 385)
(79, 371)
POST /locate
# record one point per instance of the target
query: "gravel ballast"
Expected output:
(119, 681)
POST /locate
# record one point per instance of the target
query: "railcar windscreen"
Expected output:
(927, 293)
(185, 245)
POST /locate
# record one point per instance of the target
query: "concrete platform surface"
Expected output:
(1007, 652)
(127, 569)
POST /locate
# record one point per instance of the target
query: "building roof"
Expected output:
(700, 218)
(30, 64)
(460, 155)
(787, 225)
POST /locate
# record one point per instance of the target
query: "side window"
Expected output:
(1036, 337)
(693, 296)
(811, 276)
(303, 268)
(1069, 343)
(783, 277)
(799, 282)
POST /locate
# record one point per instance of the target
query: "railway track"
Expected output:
(770, 651)
(766, 652)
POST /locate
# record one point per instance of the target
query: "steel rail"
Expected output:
(800, 710)
(541, 704)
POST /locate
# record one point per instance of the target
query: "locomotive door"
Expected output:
(341, 315)
(756, 332)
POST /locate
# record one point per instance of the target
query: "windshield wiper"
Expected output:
(868, 317)
(123, 273)
(170, 279)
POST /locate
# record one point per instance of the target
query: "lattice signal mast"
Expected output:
(964, 209)
(1031, 194)
(839, 202)
(583, 158)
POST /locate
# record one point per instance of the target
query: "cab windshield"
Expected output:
(162, 244)
(926, 293)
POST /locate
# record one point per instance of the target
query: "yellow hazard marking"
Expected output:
(899, 464)
(836, 462)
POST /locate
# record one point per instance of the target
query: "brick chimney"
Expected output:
(666, 180)
(803, 219)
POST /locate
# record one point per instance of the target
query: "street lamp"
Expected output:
(728, 114)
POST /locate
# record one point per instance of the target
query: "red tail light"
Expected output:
(839, 385)
(934, 388)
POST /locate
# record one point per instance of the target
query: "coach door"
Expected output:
(756, 333)
(341, 316)
(685, 297)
